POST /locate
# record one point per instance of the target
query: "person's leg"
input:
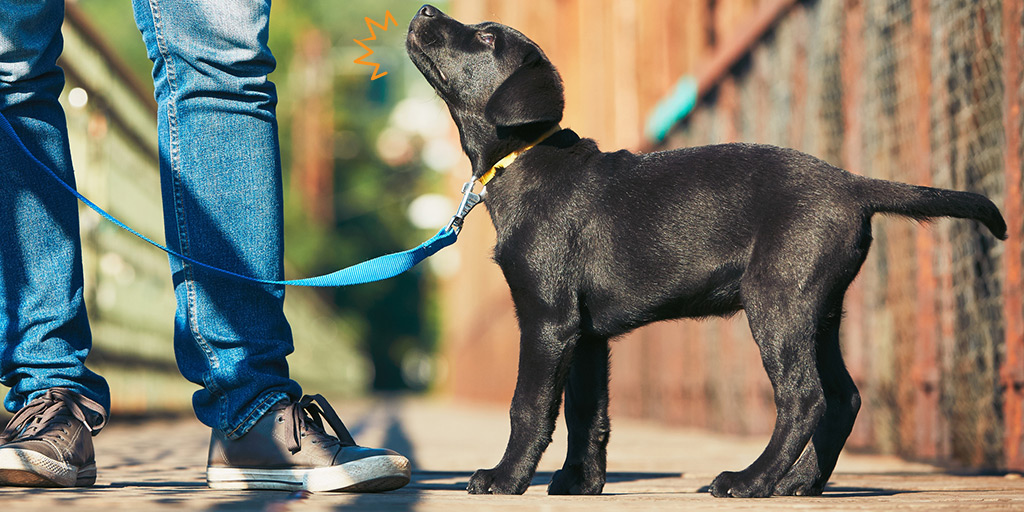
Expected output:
(44, 330)
(221, 182)
(221, 178)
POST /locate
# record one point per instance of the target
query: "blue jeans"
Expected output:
(221, 186)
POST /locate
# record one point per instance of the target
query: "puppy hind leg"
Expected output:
(586, 416)
(786, 342)
(842, 401)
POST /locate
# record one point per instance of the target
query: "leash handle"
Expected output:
(376, 269)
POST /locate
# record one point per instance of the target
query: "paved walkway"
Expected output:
(158, 464)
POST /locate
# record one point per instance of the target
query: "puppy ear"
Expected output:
(532, 94)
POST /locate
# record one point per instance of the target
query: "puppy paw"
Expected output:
(739, 484)
(480, 482)
(492, 481)
(574, 480)
(795, 484)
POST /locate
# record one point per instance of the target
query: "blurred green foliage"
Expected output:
(370, 197)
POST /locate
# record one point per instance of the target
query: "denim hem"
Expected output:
(256, 413)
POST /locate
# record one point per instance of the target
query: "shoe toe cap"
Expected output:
(354, 453)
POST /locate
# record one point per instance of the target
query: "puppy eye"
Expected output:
(486, 38)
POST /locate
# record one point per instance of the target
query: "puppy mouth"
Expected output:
(433, 65)
(418, 51)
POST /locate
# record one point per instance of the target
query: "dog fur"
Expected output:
(595, 244)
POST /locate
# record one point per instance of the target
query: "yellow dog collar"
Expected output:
(511, 157)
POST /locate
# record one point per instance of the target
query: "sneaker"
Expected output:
(288, 449)
(48, 443)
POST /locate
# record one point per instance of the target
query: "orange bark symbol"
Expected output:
(373, 37)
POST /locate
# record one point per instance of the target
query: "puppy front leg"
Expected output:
(544, 356)
(586, 416)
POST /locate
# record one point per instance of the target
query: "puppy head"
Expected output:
(498, 84)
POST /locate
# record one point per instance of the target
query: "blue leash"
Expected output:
(376, 269)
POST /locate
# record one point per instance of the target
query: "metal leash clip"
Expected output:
(469, 200)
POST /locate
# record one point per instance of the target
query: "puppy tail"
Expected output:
(923, 203)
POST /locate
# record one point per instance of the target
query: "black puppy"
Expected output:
(595, 244)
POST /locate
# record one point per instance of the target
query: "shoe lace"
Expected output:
(55, 408)
(307, 417)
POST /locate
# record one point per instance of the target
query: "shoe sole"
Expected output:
(372, 474)
(26, 468)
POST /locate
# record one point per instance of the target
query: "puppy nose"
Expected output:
(428, 10)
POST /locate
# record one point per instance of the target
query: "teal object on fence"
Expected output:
(672, 109)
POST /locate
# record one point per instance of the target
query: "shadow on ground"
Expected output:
(832, 491)
(405, 499)
(423, 480)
